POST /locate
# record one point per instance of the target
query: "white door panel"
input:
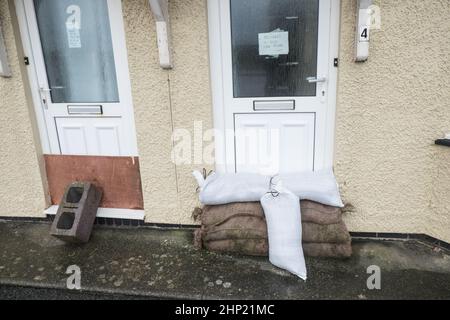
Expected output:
(253, 138)
(297, 142)
(72, 137)
(274, 143)
(87, 136)
(108, 138)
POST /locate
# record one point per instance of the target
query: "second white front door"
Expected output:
(274, 83)
(82, 85)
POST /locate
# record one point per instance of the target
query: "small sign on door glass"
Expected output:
(273, 43)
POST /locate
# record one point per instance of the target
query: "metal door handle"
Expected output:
(316, 79)
(45, 89)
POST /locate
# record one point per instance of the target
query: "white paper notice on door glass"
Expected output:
(73, 37)
(73, 25)
(273, 43)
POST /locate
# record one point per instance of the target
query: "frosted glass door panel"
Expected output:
(274, 47)
(78, 53)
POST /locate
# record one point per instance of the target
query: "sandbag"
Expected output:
(260, 247)
(226, 188)
(217, 215)
(319, 186)
(219, 189)
(244, 212)
(313, 233)
(213, 234)
(332, 233)
(284, 231)
(320, 214)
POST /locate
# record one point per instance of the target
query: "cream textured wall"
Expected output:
(390, 110)
(168, 99)
(22, 192)
(438, 222)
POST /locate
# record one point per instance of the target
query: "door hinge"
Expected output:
(336, 62)
(26, 61)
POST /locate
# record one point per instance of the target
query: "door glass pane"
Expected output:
(77, 47)
(274, 47)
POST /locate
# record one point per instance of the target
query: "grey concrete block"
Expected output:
(76, 213)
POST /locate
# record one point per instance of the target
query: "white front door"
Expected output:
(274, 83)
(82, 87)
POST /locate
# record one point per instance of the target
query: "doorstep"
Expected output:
(160, 263)
(111, 213)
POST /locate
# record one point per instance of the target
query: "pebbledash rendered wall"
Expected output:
(165, 100)
(21, 192)
(390, 110)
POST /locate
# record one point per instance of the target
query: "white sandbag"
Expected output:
(218, 189)
(318, 186)
(284, 230)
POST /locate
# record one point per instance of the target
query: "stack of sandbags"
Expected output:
(241, 228)
(324, 231)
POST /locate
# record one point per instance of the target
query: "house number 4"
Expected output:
(364, 34)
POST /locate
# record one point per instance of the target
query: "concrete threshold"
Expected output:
(163, 264)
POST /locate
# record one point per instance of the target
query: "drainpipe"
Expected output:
(160, 10)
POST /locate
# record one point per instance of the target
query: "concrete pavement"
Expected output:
(154, 263)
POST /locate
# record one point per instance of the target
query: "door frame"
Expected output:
(47, 131)
(224, 156)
